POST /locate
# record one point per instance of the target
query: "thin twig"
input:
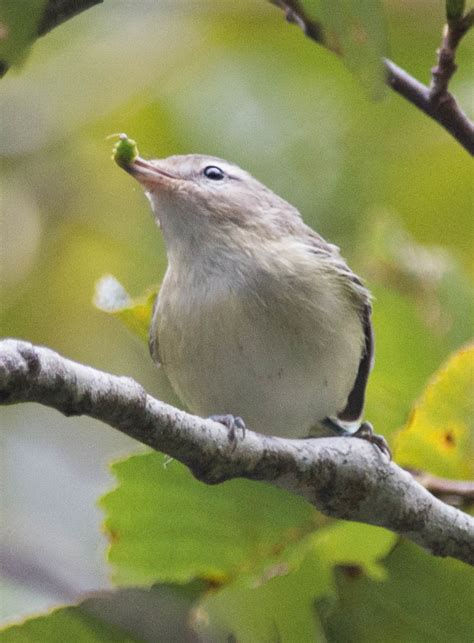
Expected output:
(456, 492)
(435, 101)
(343, 477)
(446, 67)
(295, 14)
(446, 112)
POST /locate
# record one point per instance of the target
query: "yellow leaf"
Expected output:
(439, 436)
(111, 297)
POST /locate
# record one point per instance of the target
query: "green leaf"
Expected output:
(423, 310)
(18, 23)
(356, 31)
(353, 543)
(65, 624)
(263, 549)
(112, 298)
(280, 605)
(455, 9)
(424, 600)
(406, 353)
(429, 276)
(125, 616)
(166, 526)
(439, 436)
(280, 609)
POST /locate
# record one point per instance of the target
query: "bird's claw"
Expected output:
(366, 432)
(233, 423)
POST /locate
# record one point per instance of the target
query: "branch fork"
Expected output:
(435, 101)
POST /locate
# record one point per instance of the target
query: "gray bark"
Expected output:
(342, 477)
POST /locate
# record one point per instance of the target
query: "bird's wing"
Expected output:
(355, 402)
(153, 336)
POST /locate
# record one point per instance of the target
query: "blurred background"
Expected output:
(233, 80)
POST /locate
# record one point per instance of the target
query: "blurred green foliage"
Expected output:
(356, 31)
(420, 603)
(158, 614)
(68, 623)
(455, 9)
(282, 601)
(18, 23)
(380, 179)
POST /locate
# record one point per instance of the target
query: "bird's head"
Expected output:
(203, 202)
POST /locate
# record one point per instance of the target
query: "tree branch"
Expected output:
(343, 477)
(435, 101)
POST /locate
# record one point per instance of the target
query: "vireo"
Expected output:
(258, 317)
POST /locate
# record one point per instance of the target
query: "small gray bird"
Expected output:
(258, 317)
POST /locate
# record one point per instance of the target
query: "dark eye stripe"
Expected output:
(214, 173)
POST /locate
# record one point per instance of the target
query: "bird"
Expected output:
(259, 322)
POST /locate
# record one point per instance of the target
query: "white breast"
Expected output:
(282, 353)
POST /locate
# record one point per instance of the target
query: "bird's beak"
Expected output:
(149, 173)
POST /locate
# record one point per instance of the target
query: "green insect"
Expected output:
(125, 151)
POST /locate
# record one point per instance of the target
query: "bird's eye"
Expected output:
(214, 173)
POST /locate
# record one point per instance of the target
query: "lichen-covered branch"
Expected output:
(343, 477)
(435, 101)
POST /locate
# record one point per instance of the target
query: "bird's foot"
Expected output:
(233, 423)
(366, 432)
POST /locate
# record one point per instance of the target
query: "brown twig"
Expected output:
(455, 492)
(295, 14)
(435, 101)
(445, 111)
(446, 67)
